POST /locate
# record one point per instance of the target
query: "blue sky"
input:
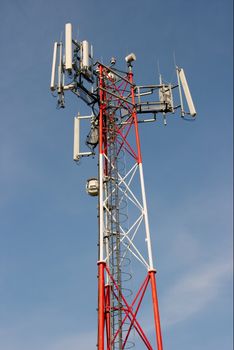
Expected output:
(48, 230)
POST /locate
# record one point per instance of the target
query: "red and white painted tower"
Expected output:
(118, 108)
(118, 133)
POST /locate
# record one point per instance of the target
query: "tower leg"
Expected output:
(108, 317)
(156, 310)
(101, 304)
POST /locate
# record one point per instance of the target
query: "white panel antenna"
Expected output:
(77, 154)
(85, 54)
(183, 80)
(52, 83)
(76, 147)
(60, 67)
(68, 46)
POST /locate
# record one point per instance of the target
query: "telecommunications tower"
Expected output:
(117, 108)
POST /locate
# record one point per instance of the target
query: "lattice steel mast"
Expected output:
(117, 105)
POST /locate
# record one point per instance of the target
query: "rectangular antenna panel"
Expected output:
(85, 54)
(68, 46)
(188, 96)
(76, 147)
(60, 65)
(52, 83)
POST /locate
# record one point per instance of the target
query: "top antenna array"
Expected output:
(74, 69)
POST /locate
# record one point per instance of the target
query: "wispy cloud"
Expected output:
(194, 292)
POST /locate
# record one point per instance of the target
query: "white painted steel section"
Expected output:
(68, 46)
(137, 224)
(142, 207)
(188, 96)
(130, 245)
(135, 253)
(76, 146)
(135, 201)
(139, 221)
(85, 54)
(147, 230)
(52, 82)
(139, 257)
(101, 216)
(122, 181)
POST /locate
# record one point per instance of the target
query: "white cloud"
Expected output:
(194, 292)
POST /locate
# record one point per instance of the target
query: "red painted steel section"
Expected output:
(144, 285)
(108, 317)
(156, 310)
(101, 305)
(128, 127)
(136, 324)
(137, 309)
(124, 137)
(129, 312)
(134, 115)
